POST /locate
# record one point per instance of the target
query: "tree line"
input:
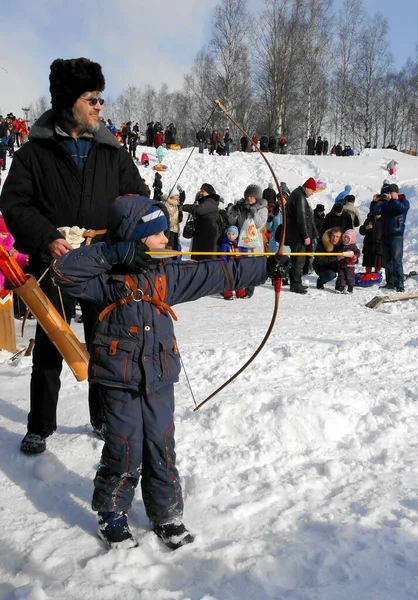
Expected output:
(293, 69)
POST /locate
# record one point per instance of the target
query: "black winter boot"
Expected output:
(173, 535)
(33, 443)
(298, 288)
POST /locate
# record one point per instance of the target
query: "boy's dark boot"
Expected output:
(33, 443)
(114, 530)
(174, 535)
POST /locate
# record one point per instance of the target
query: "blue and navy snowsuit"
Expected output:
(393, 214)
(135, 360)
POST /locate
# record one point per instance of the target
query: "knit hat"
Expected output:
(254, 190)
(70, 78)
(351, 234)
(3, 227)
(152, 222)
(233, 229)
(320, 208)
(338, 207)
(310, 184)
(207, 187)
(393, 188)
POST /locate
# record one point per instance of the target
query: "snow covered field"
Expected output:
(300, 479)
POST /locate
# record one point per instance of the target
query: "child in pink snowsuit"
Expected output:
(7, 241)
(144, 159)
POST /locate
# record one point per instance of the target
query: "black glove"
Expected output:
(132, 255)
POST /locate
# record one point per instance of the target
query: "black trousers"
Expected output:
(47, 365)
(297, 262)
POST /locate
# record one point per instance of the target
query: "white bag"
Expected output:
(248, 236)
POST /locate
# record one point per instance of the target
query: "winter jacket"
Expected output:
(299, 218)
(273, 226)
(349, 261)
(373, 236)
(343, 194)
(172, 207)
(344, 221)
(270, 195)
(228, 246)
(158, 139)
(239, 212)
(393, 213)
(311, 145)
(264, 143)
(321, 263)
(318, 222)
(272, 144)
(319, 146)
(208, 228)
(45, 189)
(353, 212)
(134, 345)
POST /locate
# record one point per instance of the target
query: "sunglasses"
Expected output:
(93, 101)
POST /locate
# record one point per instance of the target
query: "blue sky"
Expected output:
(136, 41)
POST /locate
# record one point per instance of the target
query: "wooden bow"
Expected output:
(277, 279)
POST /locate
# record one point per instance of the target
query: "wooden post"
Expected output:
(7, 322)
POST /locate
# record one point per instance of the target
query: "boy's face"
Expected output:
(158, 240)
(231, 236)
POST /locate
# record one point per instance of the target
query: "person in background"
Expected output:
(251, 206)
(337, 217)
(346, 264)
(206, 213)
(230, 244)
(175, 217)
(300, 230)
(182, 195)
(393, 213)
(270, 195)
(352, 210)
(341, 196)
(372, 243)
(326, 266)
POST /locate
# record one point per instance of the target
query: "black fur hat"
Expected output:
(70, 78)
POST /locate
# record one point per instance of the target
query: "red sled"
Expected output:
(367, 279)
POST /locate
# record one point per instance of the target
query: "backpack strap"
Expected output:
(137, 295)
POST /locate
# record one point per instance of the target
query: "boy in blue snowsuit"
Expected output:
(135, 360)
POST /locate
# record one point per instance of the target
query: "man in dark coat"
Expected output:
(270, 195)
(299, 230)
(264, 143)
(66, 175)
(337, 217)
(319, 146)
(244, 143)
(310, 144)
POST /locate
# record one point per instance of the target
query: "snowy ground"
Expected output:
(300, 479)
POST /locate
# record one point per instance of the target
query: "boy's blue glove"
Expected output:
(130, 254)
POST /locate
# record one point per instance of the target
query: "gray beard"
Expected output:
(84, 128)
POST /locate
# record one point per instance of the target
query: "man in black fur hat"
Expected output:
(66, 175)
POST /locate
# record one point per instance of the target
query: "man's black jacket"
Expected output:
(45, 189)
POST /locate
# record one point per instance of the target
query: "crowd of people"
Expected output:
(90, 183)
